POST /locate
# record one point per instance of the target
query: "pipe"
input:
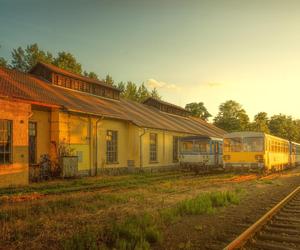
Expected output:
(141, 151)
(98, 120)
(91, 143)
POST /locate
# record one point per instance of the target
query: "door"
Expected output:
(32, 142)
(216, 153)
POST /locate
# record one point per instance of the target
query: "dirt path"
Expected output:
(217, 230)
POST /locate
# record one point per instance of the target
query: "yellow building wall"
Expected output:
(74, 130)
(16, 173)
(164, 148)
(87, 136)
(126, 142)
(42, 119)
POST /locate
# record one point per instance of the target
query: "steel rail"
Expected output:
(248, 233)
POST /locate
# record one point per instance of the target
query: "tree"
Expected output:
(232, 117)
(25, 59)
(91, 75)
(108, 80)
(121, 86)
(142, 93)
(154, 94)
(198, 110)
(67, 61)
(130, 91)
(283, 126)
(3, 62)
(261, 123)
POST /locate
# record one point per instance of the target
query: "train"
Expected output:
(201, 151)
(253, 151)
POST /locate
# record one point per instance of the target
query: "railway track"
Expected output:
(278, 229)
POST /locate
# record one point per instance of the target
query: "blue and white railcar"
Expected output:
(201, 150)
(294, 154)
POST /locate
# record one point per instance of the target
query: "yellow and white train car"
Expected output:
(255, 150)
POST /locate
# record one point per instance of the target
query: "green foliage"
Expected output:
(3, 62)
(136, 232)
(142, 93)
(206, 203)
(91, 75)
(198, 110)
(130, 91)
(232, 117)
(25, 59)
(260, 123)
(67, 61)
(154, 94)
(284, 126)
(108, 80)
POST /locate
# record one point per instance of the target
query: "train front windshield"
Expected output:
(195, 146)
(246, 144)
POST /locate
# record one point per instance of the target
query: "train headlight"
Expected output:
(226, 157)
(259, 158)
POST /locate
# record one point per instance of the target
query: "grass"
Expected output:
(69, 217)
(141, 231)
(205, 203)
(136, 232)
(90, 184)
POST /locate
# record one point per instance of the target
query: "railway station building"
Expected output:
(49, 108)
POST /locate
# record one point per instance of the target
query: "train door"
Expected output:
(215, 151)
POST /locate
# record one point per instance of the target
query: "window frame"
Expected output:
(153, 148)
(175, 151)
(10, 152)
(112, 147)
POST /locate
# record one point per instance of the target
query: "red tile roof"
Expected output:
(15, 84)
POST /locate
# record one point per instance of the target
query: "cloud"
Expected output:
(214, 84)
(152, 83)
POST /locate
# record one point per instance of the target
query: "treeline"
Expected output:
(23, 59)
(232, 117)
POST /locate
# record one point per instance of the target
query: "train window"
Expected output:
(253, 144)
(233, 144)
(187, 146)
(200, 146)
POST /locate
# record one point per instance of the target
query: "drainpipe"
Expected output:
(141, 151)
(91, 143)
(99, 120)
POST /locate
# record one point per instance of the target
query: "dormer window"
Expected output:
(166, 107)
(77, 82)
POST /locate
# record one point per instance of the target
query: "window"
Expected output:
(187, 146)
(175, 148)
(153, 147)
(32, 142)
(5, 141)
(112, 146)
(201, 146)
(253, 144)
(233, 144)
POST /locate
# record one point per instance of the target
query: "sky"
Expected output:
(191, 51)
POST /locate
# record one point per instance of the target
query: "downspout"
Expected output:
(91, 144)
(99, 120)
(141, 151)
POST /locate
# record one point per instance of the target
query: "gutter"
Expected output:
(98, 120)
(141, 151)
